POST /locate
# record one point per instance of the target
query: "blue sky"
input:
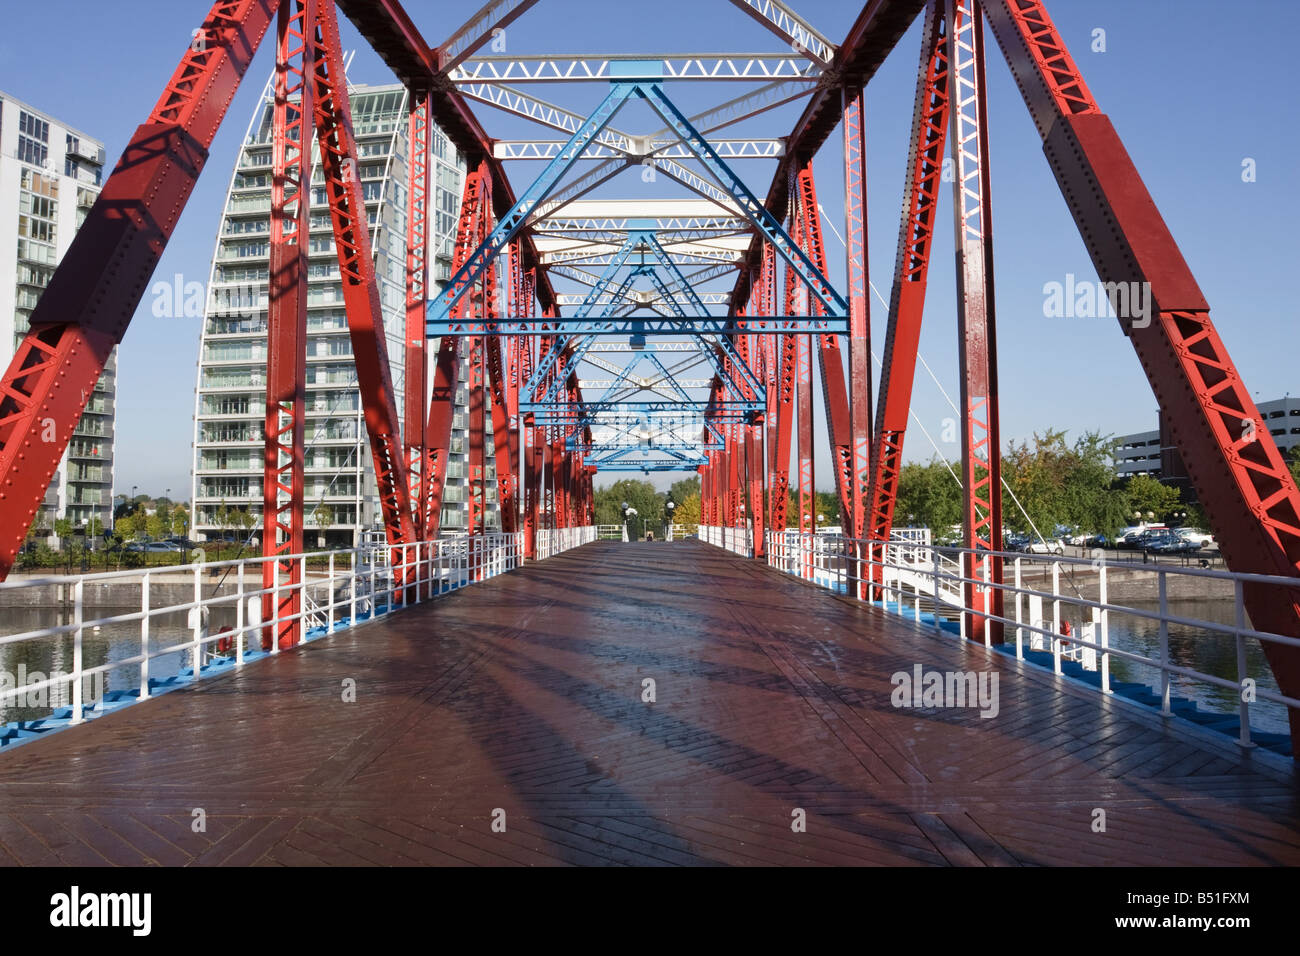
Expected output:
(1191, 91)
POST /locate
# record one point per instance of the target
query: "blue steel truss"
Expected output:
(439, 309)
(640, 435)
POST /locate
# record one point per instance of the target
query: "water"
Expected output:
(113, 642)
(1209, 652)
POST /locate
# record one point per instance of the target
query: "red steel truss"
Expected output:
(351, 225)
(911, 270)
(286, 326)
(414, 436)
(84, 311)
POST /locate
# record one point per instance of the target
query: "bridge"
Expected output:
(757, 694)
(523, 699)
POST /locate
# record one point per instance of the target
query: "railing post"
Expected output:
(1056, 616)
(301, 624)
(352, 589)
(1243, 706)
(1020, 631)
(329, 585)
(144, 637)
(1163, 586)
(986, 572)
(78, 660)
(239, 615)
(275, 607)
(938, 620)
(1105, 631)
(198, 620)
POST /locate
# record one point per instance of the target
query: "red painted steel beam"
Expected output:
(475, 201)
(855, 232)
(869, 40)
(911, 271)
(477, 438)
(417, 282)
(286, 326)
(976, 323)
(351, 227)
(830, 361)
(88, 304)
(385, 24)
(1239, 474)
(787, 376)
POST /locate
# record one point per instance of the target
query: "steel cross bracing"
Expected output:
(554, 68)
(530, 359)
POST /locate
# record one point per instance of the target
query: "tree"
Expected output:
(180, 520)
(1059, 484)
(681, 490)
(155, 526)
(929, 497)
(1294, 455)
(63, 528)
(688, 509)
(323, 516)
(128, 526)
(828, 505)
(641, 495)
(1149, 497)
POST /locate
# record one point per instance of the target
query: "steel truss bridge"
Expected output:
(641, 335)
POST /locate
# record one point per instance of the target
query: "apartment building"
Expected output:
(50, 176)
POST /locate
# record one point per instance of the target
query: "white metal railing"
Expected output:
(609, 532)
(736, 540)
(910, 577)
(551, 541)
(335, 588)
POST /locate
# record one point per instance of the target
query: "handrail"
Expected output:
(900, 575)
(336, 589)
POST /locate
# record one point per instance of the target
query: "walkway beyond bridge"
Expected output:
(508, 723)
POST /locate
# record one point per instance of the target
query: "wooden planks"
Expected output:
(523, 696)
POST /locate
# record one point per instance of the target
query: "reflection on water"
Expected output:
(1209, 652)
(112, 642)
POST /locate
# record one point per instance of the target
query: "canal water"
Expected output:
(1194, 648)
(30, 661)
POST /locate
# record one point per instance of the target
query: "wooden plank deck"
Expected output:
(523, 694)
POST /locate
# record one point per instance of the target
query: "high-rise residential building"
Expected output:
(50, 176)
(340, 496)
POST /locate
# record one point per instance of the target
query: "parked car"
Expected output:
(1174, 544)
(1202, 539)
(1154, 538)
(1047, 546)
(163, 547)
(1125, 538)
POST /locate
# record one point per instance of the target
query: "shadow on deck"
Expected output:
(520, 699)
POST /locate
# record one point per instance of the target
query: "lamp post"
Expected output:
(670, 506)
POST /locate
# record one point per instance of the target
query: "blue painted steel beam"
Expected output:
(439, 308)
(651, 325)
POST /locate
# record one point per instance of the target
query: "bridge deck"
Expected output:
(524, 694)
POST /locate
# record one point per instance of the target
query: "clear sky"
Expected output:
(1192, 88)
